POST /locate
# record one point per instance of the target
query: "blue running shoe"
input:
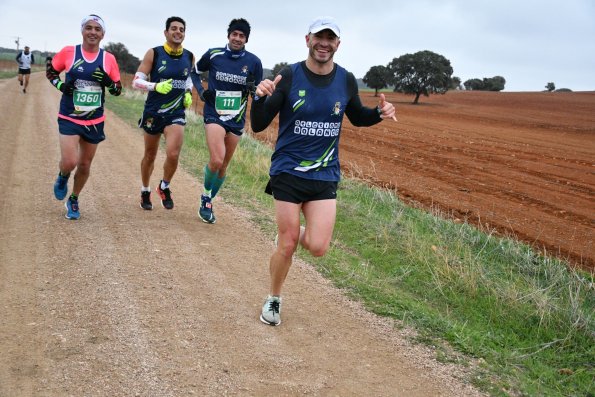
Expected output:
(61, 186)
(205, 212)
(72, 209)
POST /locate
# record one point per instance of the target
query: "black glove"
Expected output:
(66, 88)
(100, 75)
(208, 96)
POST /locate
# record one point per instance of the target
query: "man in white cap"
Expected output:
(311, 98)
(89, 71)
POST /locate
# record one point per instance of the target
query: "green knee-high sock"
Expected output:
(210, 177)
(217, 185)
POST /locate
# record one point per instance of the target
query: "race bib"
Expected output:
(86, 99)
(228, 102)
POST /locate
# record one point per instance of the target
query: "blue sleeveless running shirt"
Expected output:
(228, 71)
(167, 67)
(87, 101)
(309, 128)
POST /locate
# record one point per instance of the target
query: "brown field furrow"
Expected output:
(518, 163)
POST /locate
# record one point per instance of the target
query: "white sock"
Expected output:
(145, 189)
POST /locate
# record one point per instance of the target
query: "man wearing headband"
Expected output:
(25, 59)
(165, 73)
(89, 71)
(311, 98)
(233, 74)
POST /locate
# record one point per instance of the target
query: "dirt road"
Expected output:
(126, 302)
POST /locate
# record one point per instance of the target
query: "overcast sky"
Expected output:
(528, 42)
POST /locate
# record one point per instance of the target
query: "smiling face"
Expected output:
(237, 40)
(92, 35)
(175, 34)
(321, 49)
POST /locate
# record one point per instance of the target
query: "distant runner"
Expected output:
(25, 59)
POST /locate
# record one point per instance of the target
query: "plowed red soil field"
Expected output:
(519, 164)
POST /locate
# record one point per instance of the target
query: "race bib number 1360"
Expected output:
(87, 99)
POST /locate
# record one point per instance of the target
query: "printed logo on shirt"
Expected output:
(316, 128)
(336, 109)
(230, 78)
(162, 67)
(77, 64)
(245, 69)
(298, 104)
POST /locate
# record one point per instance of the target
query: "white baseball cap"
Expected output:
(322, 23)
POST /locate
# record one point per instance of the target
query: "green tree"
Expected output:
(474, 85)
(378, 77)
(277, 68)
(495, 83)
(454, 83)
(550, 87)
(127, 62)
(424, 72)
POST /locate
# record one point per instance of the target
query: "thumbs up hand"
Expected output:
(386, 109)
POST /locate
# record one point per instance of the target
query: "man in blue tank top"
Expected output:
(165, 73)
(311, 98)
(233, 74)
(89, 71)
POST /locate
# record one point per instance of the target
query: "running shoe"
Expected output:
(72, 209)
(205, 212)
(24, 91)
(145, 201)
(21, 82)
(271, 311)
(165, 196)
(61, 186)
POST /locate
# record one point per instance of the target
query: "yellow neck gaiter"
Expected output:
(171, 51)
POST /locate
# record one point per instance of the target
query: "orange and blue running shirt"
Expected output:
(80, 65)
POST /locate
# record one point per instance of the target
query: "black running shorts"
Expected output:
(291, 188)
(155, 124)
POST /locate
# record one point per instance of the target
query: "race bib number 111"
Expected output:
(228, 102)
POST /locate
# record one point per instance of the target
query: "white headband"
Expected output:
(93, 18)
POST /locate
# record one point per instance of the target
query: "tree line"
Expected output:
(424, 73)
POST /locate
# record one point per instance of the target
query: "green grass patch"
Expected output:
(7, 74)
(522, 321)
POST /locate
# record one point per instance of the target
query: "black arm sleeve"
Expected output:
(357, 113)
(264, 110)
